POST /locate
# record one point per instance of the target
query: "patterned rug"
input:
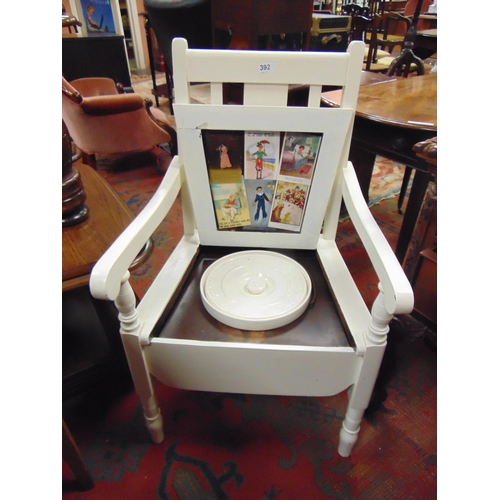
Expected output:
(246, 447)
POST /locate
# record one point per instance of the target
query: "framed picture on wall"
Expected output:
(98, 17)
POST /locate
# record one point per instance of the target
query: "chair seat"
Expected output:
(389, 38)
(383, 64)
(189, 319)
(380, 53)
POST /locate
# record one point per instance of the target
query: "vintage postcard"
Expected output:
(98, 17)
(224, 155)
(262, 150)
(300, 151)
(288, 205)
(231, 205)
(258, 183)
(260, 198)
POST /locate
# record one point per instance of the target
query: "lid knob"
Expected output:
(256, 286)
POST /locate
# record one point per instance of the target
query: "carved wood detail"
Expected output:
(74, 209)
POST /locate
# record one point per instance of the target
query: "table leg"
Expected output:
(363, 162)
(417, 193)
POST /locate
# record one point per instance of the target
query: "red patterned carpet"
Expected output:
(239, 447)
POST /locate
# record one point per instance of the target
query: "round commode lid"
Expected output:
(255, 290)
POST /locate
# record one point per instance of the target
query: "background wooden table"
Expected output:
(92, 349)
(391, 117)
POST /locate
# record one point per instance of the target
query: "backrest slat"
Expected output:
(314, 99)
(216, 93)
(265, 95)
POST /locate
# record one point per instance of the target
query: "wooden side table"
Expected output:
(92, 349)
(420, 262)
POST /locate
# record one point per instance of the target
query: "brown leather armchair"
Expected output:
(103, 121)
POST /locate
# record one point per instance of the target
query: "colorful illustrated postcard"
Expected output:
(257, 183)
(262, 150)
(224, 155)
(300, 151)
(98, 16)
(260, 198)
(231, 205)
(288, 205)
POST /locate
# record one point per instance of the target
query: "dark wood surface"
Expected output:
(403, 102)
(421, 259)
(426, 43)
(84, 244)
(391, 117)
(92, 351)
(84, 56)
(246, 20)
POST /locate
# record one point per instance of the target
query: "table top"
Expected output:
(431, 32)
(84, 244)
(403, 102)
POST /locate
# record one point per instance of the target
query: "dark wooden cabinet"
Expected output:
(96, 56)
(246, 22)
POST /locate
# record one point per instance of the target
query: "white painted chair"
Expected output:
(336, 344)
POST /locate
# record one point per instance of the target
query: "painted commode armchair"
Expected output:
(267, 306)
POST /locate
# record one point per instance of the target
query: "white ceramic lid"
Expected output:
(255, 290)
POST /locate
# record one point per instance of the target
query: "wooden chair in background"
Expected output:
(325, 340)
(380, 38)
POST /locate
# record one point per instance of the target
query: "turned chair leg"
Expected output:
(360, 394)
(129, 329)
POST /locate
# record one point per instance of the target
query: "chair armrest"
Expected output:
(163, 125)
(397, 289)
(112, 104)
(110, 269)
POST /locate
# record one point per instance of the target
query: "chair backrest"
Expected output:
(291, 153)
(352, 9)
(389, 23)
(377, 6)
(382, 26)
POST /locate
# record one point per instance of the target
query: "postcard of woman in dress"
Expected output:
(288, 205)
(261, 155)
(231, 205)
(224, 155)
(300, 151)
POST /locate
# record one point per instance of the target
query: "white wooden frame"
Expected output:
(283, 120)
